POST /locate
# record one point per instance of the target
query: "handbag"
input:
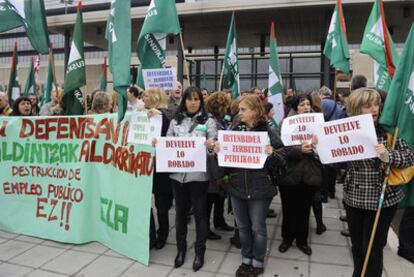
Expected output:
(399, 176)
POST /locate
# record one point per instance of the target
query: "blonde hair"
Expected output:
(101, 101)
(361, 97)
(157, 97)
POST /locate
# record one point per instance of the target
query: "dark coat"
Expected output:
(301, 169)
(256, 183)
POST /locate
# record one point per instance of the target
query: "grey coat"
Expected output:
(207, 130)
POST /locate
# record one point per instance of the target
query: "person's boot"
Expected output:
(198, 261)
(179, 259)
(320, 229)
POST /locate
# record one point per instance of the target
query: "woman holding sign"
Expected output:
(362, 187)
(251, 190)
(191, 120)
(155, 102)
(302, 178)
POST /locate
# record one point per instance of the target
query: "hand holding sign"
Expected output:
(349, 139)
(299, 128)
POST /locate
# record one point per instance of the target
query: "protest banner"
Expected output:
(347, 139)
(143, 129)
(165, 78)
(75, 180)
(242, 149)
(181, 154)
(299, 128)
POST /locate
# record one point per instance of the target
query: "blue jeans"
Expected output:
(250, 217)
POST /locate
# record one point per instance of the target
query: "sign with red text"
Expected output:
(242, 149)
(300, 128)
(76, 180)
(181, 154)
(349, 139)
(143, 129)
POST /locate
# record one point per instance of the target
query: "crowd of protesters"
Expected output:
(294, 171)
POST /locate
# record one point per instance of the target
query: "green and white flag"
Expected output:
(161, 19)
(47, 91)
(275, 79)
(378, 44)
(118, 35)
(336, 45)
(29, 88)
(31, 15)
(231, 65)
(399, 106)
(75, 72)
(13, 89)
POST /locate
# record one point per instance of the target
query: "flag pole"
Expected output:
(334, 85)
(221, 77)
(52, 63)
(378, 213)
(187, 73)
(85, 99)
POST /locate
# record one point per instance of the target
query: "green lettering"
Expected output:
(121, 216)
(104, 201)
(72, 153)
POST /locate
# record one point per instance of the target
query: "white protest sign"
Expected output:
(181, 154)
(242, 149)
(347, 139)
(299, 128)
(143, 129)
(165, 78)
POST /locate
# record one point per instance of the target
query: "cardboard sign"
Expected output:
(143, 129)
(181, 154)
(347, 139)
(299, 128)
(75, 180)
(165, 78)
(242, 149)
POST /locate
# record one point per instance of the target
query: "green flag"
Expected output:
(47, 91)
(118, 34)
(378, 44)
(399, 106)
(102, 81)
(230, 66)
(13, 89)
(29, 88)
(75, 72)
(31, 15)
(336, 45)
(161, 19)
(275, 79)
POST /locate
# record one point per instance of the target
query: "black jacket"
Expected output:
(256, 183)
(301, 169)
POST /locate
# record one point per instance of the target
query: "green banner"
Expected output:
(76, 180)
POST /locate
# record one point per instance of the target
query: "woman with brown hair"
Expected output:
(251, 190)
(217, 104)
(302, 178)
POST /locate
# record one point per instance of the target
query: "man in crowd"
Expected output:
(34, 102)
(5, 109)
(134, 102)
(48, 108)
(174, 100)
